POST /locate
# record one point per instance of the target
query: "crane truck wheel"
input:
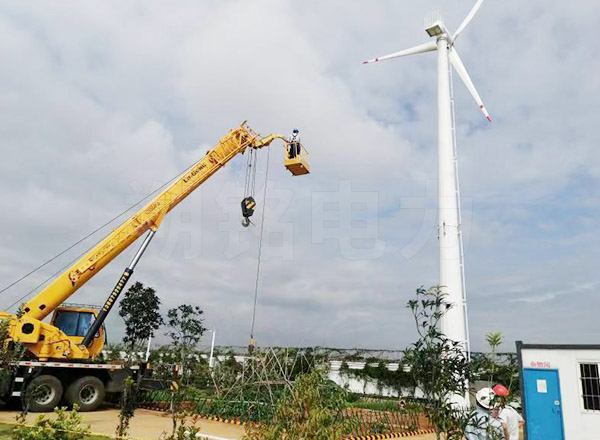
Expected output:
(86, 392)
(44, 393)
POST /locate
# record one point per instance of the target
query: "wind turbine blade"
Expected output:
(462, 72)
(467, 19)
(422, 48)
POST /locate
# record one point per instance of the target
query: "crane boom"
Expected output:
(74, 337)
(149, 217)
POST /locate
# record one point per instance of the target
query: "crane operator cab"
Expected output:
(296, 158)
(75, 321)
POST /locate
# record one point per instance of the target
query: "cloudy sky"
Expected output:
(102, 102)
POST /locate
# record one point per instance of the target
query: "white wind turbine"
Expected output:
(454, 324)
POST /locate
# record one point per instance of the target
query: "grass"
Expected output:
(193, 394)
(6, 433)
(376, 405)
(385, 405)
(380, 405)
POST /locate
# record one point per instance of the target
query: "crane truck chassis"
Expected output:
(42, 386)
(63, 361)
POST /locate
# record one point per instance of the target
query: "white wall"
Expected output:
(580, 424)
(362, 385)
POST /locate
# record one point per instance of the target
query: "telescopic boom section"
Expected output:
(147, 218)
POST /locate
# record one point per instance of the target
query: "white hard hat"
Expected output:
(484, 397)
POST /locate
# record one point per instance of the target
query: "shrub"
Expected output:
(311, 410)
(10, 352)
(66, 426)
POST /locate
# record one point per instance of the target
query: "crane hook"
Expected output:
(248, 205)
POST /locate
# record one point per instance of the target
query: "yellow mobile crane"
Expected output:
(75, 335)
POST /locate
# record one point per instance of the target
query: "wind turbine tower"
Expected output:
(454, 323)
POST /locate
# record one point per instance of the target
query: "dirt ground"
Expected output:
(149, 425)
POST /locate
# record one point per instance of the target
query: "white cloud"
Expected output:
(103, 101)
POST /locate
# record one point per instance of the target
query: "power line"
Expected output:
(49, 278)
(65, 250)
(80, 241)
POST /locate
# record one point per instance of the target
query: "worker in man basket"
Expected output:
(294, 144)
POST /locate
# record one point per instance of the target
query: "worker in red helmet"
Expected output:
(501, 391)
(510, 419)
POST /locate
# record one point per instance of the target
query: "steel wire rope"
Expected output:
(80, 241)
(260, 239)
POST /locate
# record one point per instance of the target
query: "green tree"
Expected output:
(494, 340)
(495, 367)
(10, 352)
(185, 330)
(127, 406)
(438, 365)
(185, 324)
(139, 308)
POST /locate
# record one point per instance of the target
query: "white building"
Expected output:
(560, 385)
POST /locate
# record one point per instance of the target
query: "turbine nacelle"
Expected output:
(436, 29)
(434, 26)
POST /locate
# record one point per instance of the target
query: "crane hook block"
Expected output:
(248, 205)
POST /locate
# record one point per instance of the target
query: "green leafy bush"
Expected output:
(311, 410)
(10, 352)
(187, 430)
(66, 426)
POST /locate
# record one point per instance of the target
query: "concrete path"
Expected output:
(149, 425)
(145, 425)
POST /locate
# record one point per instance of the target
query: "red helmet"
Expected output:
(501, 390)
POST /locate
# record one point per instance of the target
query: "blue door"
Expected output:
(543, 406)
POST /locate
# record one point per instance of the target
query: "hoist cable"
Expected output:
(247, 174)
(253, 185)
(260, 239)
(250, 179)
